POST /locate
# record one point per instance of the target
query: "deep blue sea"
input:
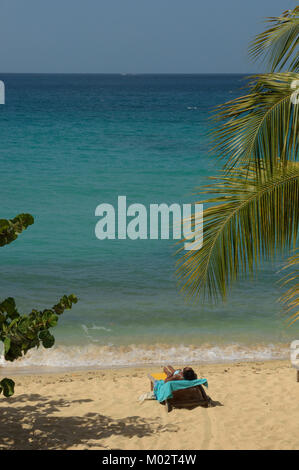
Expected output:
(72, 142)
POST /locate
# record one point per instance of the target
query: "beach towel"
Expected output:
(163, 390)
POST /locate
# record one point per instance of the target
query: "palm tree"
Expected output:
(253, 204)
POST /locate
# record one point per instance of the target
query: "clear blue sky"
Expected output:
(137, 36)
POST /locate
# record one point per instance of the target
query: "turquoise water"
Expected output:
(71, 142)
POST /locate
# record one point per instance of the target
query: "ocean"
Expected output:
(71, 142)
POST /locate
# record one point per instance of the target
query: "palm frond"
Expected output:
(261, 127)
(291, 297)
(279, 44)
(254, 218)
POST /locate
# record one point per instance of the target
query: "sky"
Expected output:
(132, 36)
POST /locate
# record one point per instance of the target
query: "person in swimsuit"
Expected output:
(179, 374)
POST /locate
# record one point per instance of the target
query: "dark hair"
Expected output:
(189, 374)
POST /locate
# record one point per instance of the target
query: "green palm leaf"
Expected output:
(261, 127)
(253, 209)
(254, 218)
(279, 43)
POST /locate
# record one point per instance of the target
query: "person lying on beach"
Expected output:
(179, 374)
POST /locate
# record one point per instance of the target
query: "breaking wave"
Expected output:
(97, 356)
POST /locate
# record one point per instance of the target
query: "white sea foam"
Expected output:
(95, 327)
(89, 329)
(110, 356)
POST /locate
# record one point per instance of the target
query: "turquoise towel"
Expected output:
(164, 390)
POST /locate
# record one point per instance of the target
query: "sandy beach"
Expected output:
(258, 409)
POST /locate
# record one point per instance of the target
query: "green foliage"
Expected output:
(255, 218)
(255, 212)
(261, 127)
(10, 229)
(19, 333)
(7, 386)
(278, 43)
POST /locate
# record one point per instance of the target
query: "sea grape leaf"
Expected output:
(6, 345)
(7, 386)
(47, 339)
(10, 229)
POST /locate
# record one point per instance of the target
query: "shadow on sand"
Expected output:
(30, 425)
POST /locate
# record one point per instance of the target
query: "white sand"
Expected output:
(100, 410)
